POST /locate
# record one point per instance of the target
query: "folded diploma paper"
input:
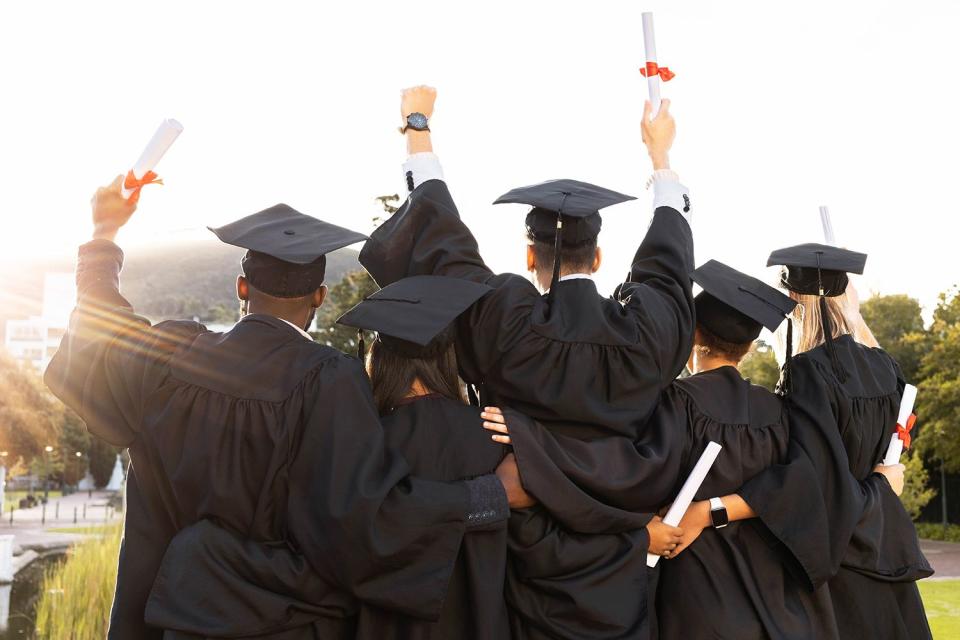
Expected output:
(901, 437)
(651, 70)
(142, 172)
(828, 237)
(688, 491)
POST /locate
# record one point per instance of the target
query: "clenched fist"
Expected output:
(658, 133)
(417, 100)
(110, 209)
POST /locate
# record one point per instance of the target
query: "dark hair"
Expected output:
(392, 375)
(577, 258)
(718, 346)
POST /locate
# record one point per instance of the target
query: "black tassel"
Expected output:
(557, 246)
(361, 345)
(838, 369)
(785, 376)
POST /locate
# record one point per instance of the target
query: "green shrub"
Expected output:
(936, 531)
(76, 595)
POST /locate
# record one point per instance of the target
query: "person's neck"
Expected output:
(709, 363)
(418, 389)
(543, 280)
(296, 317)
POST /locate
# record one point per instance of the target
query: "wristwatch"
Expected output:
(416, 121)
(718, 513)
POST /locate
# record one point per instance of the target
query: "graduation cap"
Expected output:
(414, 316)
(734, 306)
(565, 212)
(286, 250)
(819, 270)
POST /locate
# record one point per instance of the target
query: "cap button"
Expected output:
(289, 232)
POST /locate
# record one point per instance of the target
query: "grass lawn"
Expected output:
(12, 498)
(942, 602)
(97, 529)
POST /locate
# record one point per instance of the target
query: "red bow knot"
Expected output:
(904, 431)
(653, 70)
(133, 184)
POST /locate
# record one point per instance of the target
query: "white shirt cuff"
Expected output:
(421, 167)
(668, 192)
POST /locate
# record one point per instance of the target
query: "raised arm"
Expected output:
(658, 293)
(425, 236)
(106, 360)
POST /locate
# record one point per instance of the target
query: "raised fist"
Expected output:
(417, 100)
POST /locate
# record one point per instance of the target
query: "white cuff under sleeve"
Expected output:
(421, 167)
(668, 192)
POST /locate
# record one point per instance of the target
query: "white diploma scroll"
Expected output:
(650, 49)
(828, 237)
(164, 137)
(906, 408)
(688, 490)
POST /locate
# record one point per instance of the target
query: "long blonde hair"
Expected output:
(808, 323)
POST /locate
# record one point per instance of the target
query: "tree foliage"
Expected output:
(760, 366)
(343, 296)
(898, 326)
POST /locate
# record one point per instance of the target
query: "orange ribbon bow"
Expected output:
(904, 431)
(653, 70)
(133, 184)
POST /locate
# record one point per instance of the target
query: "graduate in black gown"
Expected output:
(844, 521)
(587, 367)
(731, 577)
(426, 419)
(260, 430)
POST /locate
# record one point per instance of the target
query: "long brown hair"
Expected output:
(393, 375)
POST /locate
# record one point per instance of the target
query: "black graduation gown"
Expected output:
(589, 369)
(264, 432)
(734, 581)
(443, 439)
(843, 524)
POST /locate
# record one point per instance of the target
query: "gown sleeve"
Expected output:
(659, 292)
(110, 357)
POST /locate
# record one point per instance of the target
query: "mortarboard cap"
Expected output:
(568, 206)
(415, 315)
(285, 249)
(734, 306)
(817, 269)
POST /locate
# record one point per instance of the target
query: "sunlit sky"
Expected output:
(780, 108)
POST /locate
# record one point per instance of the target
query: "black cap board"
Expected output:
(414, 315)
(285, 249)
(817, 269)
(569, 206)
(734, 306)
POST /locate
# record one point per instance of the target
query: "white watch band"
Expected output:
(716, 504)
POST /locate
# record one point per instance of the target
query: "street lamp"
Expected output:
(46, 472)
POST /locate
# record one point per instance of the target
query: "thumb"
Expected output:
(116, 184)
(664, 108)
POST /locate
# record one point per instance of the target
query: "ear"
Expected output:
(318, 297)
(531, 259)
(597, 260)
(243, 288)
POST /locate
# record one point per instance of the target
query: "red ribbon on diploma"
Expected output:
(133, 184)
(904, 431)
(653, 70)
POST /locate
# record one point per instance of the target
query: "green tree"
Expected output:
(898, 326)
(30, 418)
(760, 366)
(916, 490)
(103, 457)
(74, 438)
(343, 296)
(938, 400)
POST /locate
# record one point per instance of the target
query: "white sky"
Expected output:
(779, 107)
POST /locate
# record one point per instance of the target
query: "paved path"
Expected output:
(944, 557)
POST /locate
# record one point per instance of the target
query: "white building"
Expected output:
(36, 339)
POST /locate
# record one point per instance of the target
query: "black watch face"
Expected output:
(417, 121)
(719, 518)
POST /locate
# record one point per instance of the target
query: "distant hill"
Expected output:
(182, 281)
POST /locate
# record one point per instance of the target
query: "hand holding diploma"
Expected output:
(689, 489)
(905, 421)
(142, 172)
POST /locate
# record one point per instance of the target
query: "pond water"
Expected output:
(23, 595)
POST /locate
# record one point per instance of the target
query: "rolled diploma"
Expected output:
(828, 236)
(906, 408)
(688, 490)
(166, 133)
(650, 48)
